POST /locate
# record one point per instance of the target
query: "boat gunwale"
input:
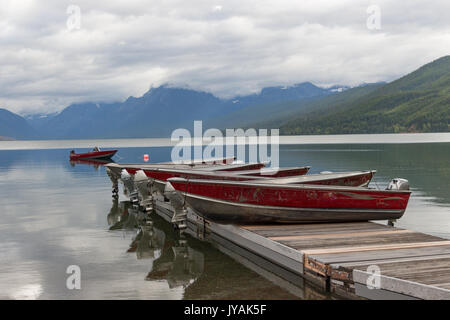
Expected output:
(219, 173)
(305, 177)
(182, 167)
(321, 177)
(235, 173)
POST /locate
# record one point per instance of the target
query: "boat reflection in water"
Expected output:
(149, 241)
(119, 217)
(179, 264)
(172, 259)
(92, 162)
(202, 269)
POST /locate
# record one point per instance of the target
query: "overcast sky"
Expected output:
(225, 47)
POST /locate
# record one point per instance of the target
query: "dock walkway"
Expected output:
(353, 260)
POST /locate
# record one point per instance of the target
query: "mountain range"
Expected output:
(14, 126)
(417, 102)
(156, 114)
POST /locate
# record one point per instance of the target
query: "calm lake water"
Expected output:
(54, 214)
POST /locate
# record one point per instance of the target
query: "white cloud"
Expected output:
(234, 47)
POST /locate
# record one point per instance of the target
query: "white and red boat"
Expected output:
(159, 176)
(262, 202)
(116, 168)
(349, 179)
(117, 171)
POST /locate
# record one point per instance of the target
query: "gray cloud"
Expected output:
(226, 47)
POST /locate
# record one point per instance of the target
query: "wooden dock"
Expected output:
(352, 260)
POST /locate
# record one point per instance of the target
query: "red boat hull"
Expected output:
(160, 177)
(93, 155)
(260, 202)
(164, 174)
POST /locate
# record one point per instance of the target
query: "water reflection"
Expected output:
(176, 261)
(173, 259)
(55, 215)
(184, 262)
(119, 217)
(94, 163)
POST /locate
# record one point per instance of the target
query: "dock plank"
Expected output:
(380, 254)
(309, 229)
(351, 241)
(365, 263)
(338, 235)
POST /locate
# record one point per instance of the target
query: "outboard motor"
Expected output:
(398, 184)
(143, 186)
(141, 183)
(175, 198)
(177, 201)
(128, 184)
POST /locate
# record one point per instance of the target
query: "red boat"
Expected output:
(106, 154)
(159, 176)
(260, 202)
(349, 179)
(116, 168)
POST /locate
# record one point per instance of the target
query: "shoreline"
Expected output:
(382, 138)
(363, 139)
